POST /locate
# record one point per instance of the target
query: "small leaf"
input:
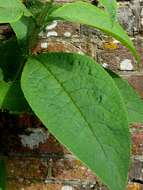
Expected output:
(132, 100)
(11, 97)
(12, 10)
(23, 28)
(76, 99)
(20, 28)
(85, 13)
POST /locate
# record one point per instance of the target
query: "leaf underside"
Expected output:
(72, 96)
(132, 100)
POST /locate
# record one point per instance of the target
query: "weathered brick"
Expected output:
(137, 139)
(136, 170)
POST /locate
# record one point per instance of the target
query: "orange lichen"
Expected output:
(77, 162)
(110, 45)
(35, 186)
(134, 149)
(134, 186)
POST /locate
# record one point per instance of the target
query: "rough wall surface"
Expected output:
(44, 163)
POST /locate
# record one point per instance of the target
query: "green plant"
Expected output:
(72, 95)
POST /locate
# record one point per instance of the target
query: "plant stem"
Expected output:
(40, 23)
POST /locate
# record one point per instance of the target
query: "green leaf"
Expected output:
(2, 174)
(9, 11)
(85, 13)
(20, 28)
(132, 100)
(11, 97)
(79, 103)
(23, 29)
(111, 7)
(12, 10)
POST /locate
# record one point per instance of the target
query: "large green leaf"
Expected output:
(12, 10)
(132, 100)
(2, 174)
(85, 13)
(79, 103)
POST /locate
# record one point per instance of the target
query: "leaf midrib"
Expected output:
(77, 107)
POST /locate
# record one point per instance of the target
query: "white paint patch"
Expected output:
(116, 42)
(67, 34)
(92, 186)
(44, 45)
(132, 38)
(142, 12)
(67, 187)
(52, 25)
(105, 65)
(126, 65)
(142, 21)
(36, 137)
(52, 33)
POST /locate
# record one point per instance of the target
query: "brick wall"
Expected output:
(44, 163)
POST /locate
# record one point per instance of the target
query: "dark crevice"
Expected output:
(94, 2)
(137, 181)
